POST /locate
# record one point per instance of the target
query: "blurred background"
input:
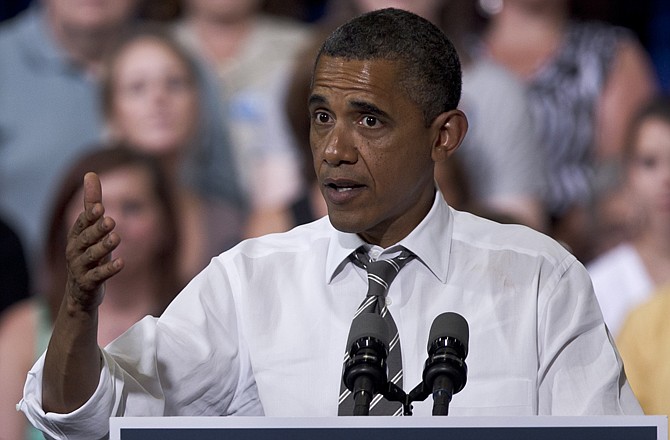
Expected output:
(648, 19)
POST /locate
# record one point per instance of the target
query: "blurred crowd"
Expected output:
(193, 113)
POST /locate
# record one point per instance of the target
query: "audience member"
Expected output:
(138, 195)
(585, 81)
(626, 275)
(643, 343)
(151, 93)
(383, 106)
(51, 55)
(252, 53)
(14, 277)
(52, 59)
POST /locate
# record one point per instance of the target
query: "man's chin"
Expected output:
(344, 223)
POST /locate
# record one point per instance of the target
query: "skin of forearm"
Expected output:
(72, 363)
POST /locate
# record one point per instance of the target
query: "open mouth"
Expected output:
(343, 188)
(341, 191)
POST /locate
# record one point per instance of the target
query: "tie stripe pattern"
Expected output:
(381, 274)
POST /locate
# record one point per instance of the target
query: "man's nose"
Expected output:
(339, 145)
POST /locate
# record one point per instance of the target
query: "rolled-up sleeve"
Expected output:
(190, 361)
(90, 421)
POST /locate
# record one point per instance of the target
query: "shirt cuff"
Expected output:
(90, 421)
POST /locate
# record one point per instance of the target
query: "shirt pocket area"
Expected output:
(494, 398)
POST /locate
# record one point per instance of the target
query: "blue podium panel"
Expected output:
(391, 428)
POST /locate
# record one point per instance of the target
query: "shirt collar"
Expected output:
(430, 241)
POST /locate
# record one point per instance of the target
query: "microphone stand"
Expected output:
(393, 393)
(441, 398)
(362, 397)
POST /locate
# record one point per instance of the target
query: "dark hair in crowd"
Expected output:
(431, 74)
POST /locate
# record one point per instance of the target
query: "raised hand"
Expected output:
(90, 244)
(72, 362)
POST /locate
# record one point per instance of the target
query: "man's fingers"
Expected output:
(87, 254)
(85, 288)
(93, 207)
(96, 232)
(86, 218)
(89, 248)
(84, 234)
(92, 279)
(92, 190)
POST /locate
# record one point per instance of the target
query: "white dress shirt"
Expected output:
(262, 330)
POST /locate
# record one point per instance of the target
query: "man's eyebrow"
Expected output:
(367, 107)
(360, 106)
(316, 100)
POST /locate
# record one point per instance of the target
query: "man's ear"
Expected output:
(450, 128)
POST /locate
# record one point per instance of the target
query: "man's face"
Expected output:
(371, 148)
(90, 15)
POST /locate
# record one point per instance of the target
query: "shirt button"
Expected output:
(389, 301)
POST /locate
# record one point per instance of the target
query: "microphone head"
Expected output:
(368, 349)
(450, 325)
(369, 325)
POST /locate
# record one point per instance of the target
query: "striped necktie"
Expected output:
(381, 274)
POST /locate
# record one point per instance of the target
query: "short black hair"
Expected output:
(431, 68)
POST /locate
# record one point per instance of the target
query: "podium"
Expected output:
(391, 428)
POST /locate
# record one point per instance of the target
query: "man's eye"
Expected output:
(322, 118)
(369, 121)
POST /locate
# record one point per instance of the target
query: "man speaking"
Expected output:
(264, 329)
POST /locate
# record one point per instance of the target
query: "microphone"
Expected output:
(445, 370)
(365, 373)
